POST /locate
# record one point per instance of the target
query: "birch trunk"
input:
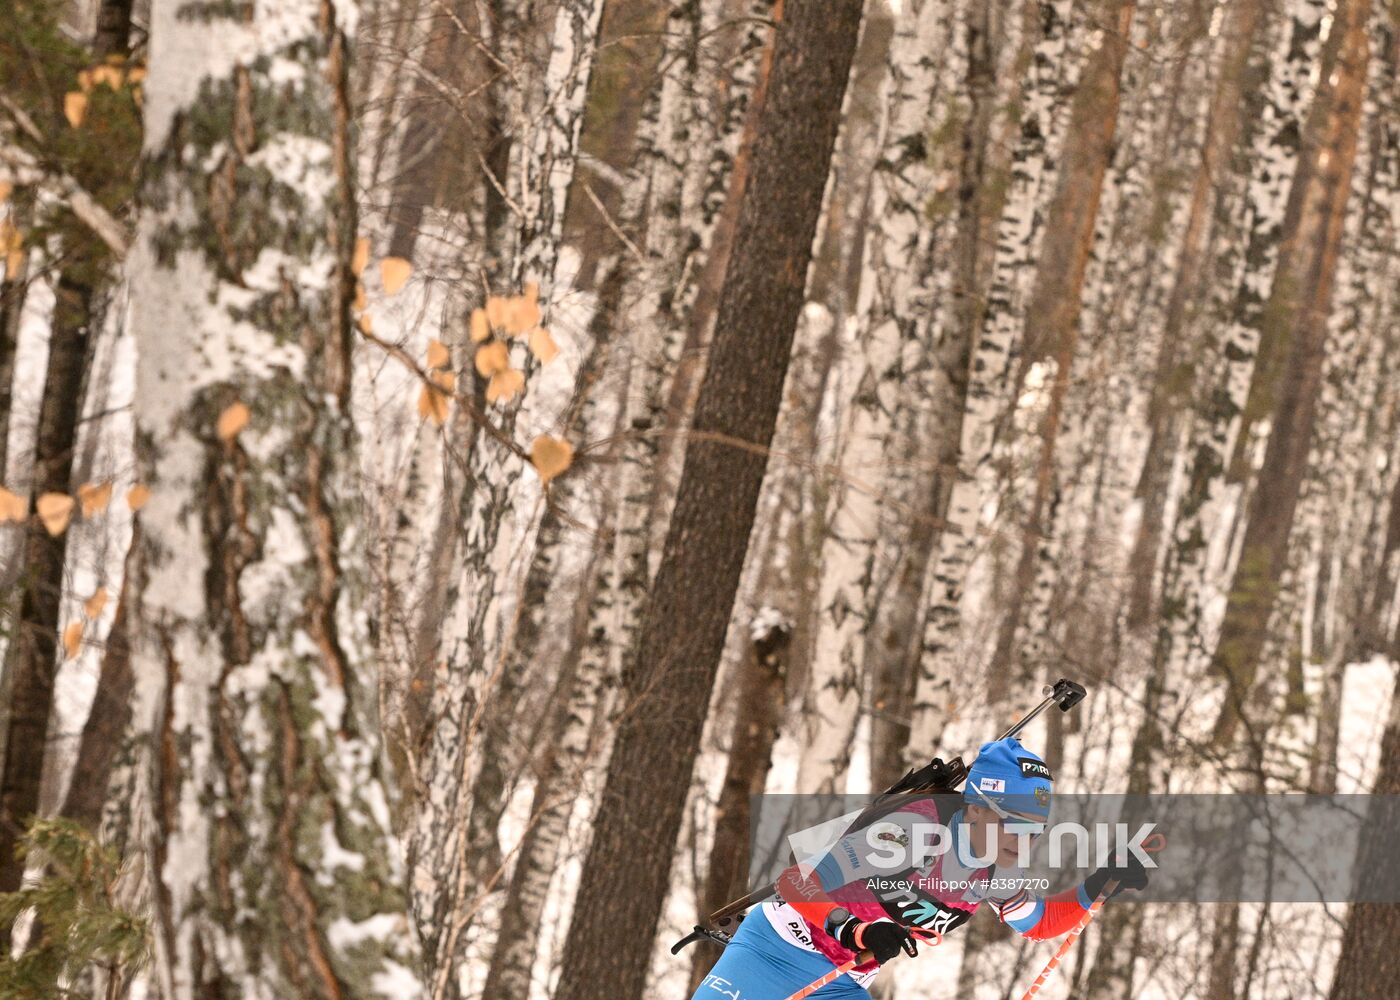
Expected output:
(451, 855)
(1297, 311)
(1194, 554)
(273, 868)
(1018, 239)
(899, 318)
(1057, 296)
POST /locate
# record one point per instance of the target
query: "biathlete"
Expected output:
(854, 901)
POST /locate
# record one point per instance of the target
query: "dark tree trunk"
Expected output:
(1369, 965)
(668, 682)
(34, 657)
(760, 709)
(1296, 322)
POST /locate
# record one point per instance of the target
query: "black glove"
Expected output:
(1129, 875)
(882, 938)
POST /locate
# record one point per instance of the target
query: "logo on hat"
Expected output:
(1042, 795)
(1032, 768)
(992, 785)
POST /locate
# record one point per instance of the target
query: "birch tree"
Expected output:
(1018, 239)
(500, 502)
(81, 287)
(1296, 312)
(273, 869)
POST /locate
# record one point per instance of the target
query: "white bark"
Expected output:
(502, 502)
(1018, 239)
(887, 367)
(275, 872)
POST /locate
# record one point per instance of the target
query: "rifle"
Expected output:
(935, 777)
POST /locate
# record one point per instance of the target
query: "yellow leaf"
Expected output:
(95, 497)
(504, 385)
(542, 345)
(73, 639)
(12, 506)
(522, 315)
(394, 272)
(137, 496)
(93, 606)
(432, 404)
(496, 311)
(74, 107)
(551, 456)
(55, 510)
(109, 75)
(234, 418)
(366, 323)
(438, 354)
(532, 292)
(84, 80)
(5, 188)
(361, 298)
(136, 74)
(447, 381)
(361, 257)
(492, 358)
(481, 329)
(14, 260)
(11, 239)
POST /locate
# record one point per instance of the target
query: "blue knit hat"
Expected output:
(1012, 777)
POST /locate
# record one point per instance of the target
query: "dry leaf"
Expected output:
(492, 358)
(361, 298)
(432, 403)
(110, 75)
(361, 256)
(14, 260)
(504, 385)
(75, 107)
(73, 639)
(55, 510)
(231, 421)
(93, 606)
(394, 272)
(551, 456)
(136, 74)
(438, 354)
(12, 506)
(542, 345)
(481, 329)
(5, 189)
(446, 381)
(11, 238)
(84, 80)
(522, 315)
(532, 292)
(496, 311)
(366, 323)
(137, 496)
(95, 497)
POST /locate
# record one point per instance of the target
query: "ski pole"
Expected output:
(865, 956)
(831, 976)
(1158, 842)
